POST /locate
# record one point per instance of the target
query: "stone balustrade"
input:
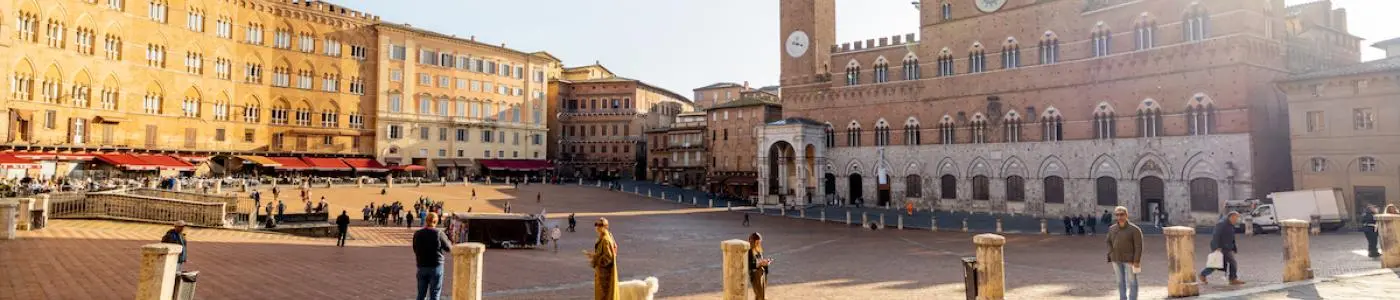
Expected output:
(142, 208)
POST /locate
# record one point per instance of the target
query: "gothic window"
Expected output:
(1054, 189)
(1196, 23)
(1149, 119)
(1367, 164)
(1104, 122)
(1049, 49)
(882, 133)
(1052, 126)
(1145, 33)
(1204, 195)
(913, 186)
(948, 187)
(1106, 191)
(1015, 189)
(911, 67)
(830, 136)
(947, 11)
(882, 71)
(853, 74)
(981, 188)
(945, 63)
(1010, 54)
(979, 129)
(912, 135)
(976, 59)
(1102, 37)
(1319, 164)
(946, 131)
(853, 135)
(1012, 130)
(1200, 115)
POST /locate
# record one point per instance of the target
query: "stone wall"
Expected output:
(141, 208)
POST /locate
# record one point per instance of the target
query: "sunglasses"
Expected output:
(1120, 214)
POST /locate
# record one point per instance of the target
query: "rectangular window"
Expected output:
(1316, 122)
(425, 79)
(398, 52)
(248, 135)
(442, 134)
(423, 133)
(395, 103)
(395, 132)
(396, 75)
(461, 135)
(1364, 118)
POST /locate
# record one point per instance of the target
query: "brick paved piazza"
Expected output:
(75, 259)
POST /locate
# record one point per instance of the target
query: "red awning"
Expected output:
(516, 164)
(127, 161)
(326, 164)
(290, 163)
(166, 162)
(365, 165)
(409, 168)
(9, 161)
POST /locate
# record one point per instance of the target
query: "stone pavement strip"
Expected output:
(1374, 284)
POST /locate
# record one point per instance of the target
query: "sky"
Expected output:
(681, 45)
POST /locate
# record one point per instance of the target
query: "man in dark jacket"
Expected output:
(1125, 253)
(1368, 227)
(342, 223)
(1223, 240)
(430, 247)
(1068, 225)
(177, 236)
(1093, 224)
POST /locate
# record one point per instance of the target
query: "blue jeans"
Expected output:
(1127, 281)
(429, 283)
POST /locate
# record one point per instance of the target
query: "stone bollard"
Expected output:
(848, 218)
(964, 225)
(1297, 265)
(991, 280)
(466, 270)
(1249, 226)
(25, 212)
(243, 187)
(648, 193)
(328, 183)
(580, 181)
(1043, 229)
(158, 267)
(389, 183)
(44, 204)
(823, 215)
(694, 200)
(218, 187)
(710, 203)
(359, 182)
(466, 182)
(8, 219)
(663, 195)
(444, 181)
(600, 183)
(933, 224)
(1316, 225)
(736, 269)
(864, 221)
(1388, 227)
(899, 221)
(782, 210)
(998, 225)
(1181, 261)
(802, 213)
(882, 221)
(418, 183)
(636, 190)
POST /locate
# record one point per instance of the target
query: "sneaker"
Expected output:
(1203, 279)
(1236, 282)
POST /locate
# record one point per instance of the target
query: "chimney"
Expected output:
(746, 85)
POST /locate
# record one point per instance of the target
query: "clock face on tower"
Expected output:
(988, 6)
(797, 43)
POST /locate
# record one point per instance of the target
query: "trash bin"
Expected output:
(184, 285)
(970, 276)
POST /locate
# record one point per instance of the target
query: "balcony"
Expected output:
(598, 112)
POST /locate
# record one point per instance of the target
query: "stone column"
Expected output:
(800, 190)
(882, 221)
(864, 221)
(466, 270)
(736, 269)
(466, 182)
(44, 204)
(389, 182)
(1389, 227)
(991, 281)
(998, 225)
(359, 182)
(218, 186)
(1297, 265)
(25, 214)
(1043, 229)
(848, 217)
(899, 221)
(158, 267)
(8, 218)
(964, 225)
(1248, 225)
(823, 215)
(1181, 261)
(933, 223)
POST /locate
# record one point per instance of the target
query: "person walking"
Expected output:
(554, 236)
(1079, 224)
(746, 219)
(572, 220)
(281, 210)
(1223, 240)
(1106, 218)
(1125, 253)
(257, 201)
(422, 216)
(1068, 225)
(1368, 227)
(604, 261)
(430, 246)
(342, 223)
(364, 212)
(1093, 224)
(758, 266)
(177, 236)
(909, 206)
(409, 217)
(507, 206)
(539, 197)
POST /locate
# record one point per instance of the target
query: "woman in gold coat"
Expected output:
(604, 260)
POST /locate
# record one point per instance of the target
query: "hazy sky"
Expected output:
(684, 44)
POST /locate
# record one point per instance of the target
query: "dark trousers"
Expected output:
(571, 227)
(1231, 266)
(429, 283)
(1371, 238)
(340, 238)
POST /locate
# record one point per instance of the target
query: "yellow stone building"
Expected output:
(196, 77)
(458, 106)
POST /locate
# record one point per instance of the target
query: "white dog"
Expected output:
(638, 289)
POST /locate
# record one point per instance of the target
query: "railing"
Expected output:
(140, 208)
(230, 200)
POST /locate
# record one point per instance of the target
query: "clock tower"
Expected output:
(808, 29)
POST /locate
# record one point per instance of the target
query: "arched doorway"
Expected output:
(1152, 192)
(855, 188)
(829, 182)
(782, 171)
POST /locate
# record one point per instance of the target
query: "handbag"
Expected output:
(1215, 260)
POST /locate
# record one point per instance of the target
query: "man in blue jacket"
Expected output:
(177, 236)
(1223, 240)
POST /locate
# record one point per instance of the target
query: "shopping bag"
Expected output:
(1215, 260)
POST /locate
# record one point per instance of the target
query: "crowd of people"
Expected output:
(396, 214)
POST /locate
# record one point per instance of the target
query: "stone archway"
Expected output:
(782, 176)
(1152, 192)
(855, 183)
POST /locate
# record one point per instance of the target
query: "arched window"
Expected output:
(1102, 37)
(1052, 126)
(1204, 195)
(1196, 23)
(912, 135)
(1015, 189)
(279, 114)
(976, 59)
(979, 129)
(1145, 32)
(1367, 164)
(1200, 115)
(981, 188)
(1010, 54)
(1106, 190)
(853, 74)
(1049, 49)
(945, 63)
(882, 71)
(1012, 130)
(1149, 119)
(1054, 189)
(947, 11)
(330, 118)
(948, 186)
(946, 131)
(853, 135)
(830, 136)
(911, 67)
(1319, 164)
(913, 186)
(882, 133)
(1104, 122)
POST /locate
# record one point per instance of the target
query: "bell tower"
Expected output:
(808, 29)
